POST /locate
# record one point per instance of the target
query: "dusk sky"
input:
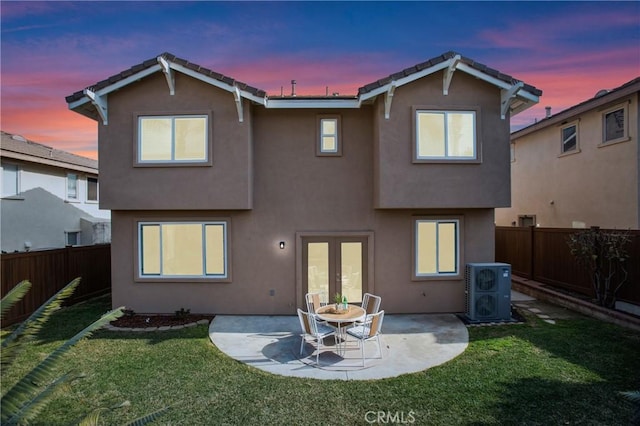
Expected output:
(49, 50)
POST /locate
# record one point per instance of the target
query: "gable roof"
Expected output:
(19, 148)
(601, 98)
(516, 95)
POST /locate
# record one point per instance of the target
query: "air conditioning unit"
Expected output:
(488, 291)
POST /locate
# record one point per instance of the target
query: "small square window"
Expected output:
(329, 143)
(72, 186)
(10, 181)
(569, 138)
(73, 238)
(92, 189)
(614, 125)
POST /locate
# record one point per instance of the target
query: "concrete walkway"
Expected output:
(410, 343)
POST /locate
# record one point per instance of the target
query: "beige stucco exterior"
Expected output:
(595, 185)
(266, 181)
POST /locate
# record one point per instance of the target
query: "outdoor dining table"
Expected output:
(342, 319)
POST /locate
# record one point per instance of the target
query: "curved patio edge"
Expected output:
(410, 343)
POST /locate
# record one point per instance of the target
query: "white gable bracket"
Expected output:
(506, 96)
(448, 74)
(169, 74)
(238, 99)
(100, 102)
(388, 98)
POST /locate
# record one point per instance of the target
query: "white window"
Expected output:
(92, 189)
(436, 247)
(569, 138)
(183, 249)
(173, 139)
(72, 238)
(614, 125)
(10, 180)
(329, 143)
(72, 186)
(445, 135)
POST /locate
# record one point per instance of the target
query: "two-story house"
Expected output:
(49, 198)
(579, 167)
(230, 201)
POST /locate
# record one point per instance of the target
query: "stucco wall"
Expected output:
(596, 186)
(405, 184)
(226, 184)
(297, 191)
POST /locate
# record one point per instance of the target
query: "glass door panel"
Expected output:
(318, 269)
(351, 271)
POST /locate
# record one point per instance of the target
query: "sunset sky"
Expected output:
(49, 50)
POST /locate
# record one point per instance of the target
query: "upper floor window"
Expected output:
(72, 186)
(92, 189)
(10, 180)
(329, 136)
(569, 138)
(437, 247)
(614, 125)
(446, 135)
(173, 139)
(183, 249)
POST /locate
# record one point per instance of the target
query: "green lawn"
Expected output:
(534, 373)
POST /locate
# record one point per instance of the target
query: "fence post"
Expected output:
(532, 247)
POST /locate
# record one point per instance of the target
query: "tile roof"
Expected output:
(16, 144)
(261, 93)
(170, 57)
(602, 97)
(438, 59)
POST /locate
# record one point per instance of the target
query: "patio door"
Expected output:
(333, 265)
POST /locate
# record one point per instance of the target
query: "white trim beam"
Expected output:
(238, 98)
(448, 74)
(388, 99)
(506, 96)
(100, 103)
(117, 85)
(169, 74)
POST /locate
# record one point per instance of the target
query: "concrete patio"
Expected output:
(410, 343)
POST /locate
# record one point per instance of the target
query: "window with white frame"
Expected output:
(614, 125)
(72, 186)
(10, 180)
(569, 138)
(92, 189)
(173, 139)
(446, 135)
(329, 143)
(437, 250)
(183, 249)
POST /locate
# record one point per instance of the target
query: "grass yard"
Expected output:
(529, 374)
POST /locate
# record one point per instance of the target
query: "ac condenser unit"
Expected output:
(488, 291)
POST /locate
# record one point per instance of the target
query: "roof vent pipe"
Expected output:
(293, 87)
(548, 112)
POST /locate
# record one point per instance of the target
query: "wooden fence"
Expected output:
(50, 270)
(543, 255)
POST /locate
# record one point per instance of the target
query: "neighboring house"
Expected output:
(580, 167)
(230, 201)
(49, 198)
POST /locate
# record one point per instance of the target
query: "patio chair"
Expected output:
(313, 303)
(311, 328)
(371, 305)
(368, 331)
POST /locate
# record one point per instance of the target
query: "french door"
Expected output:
(333, 265)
